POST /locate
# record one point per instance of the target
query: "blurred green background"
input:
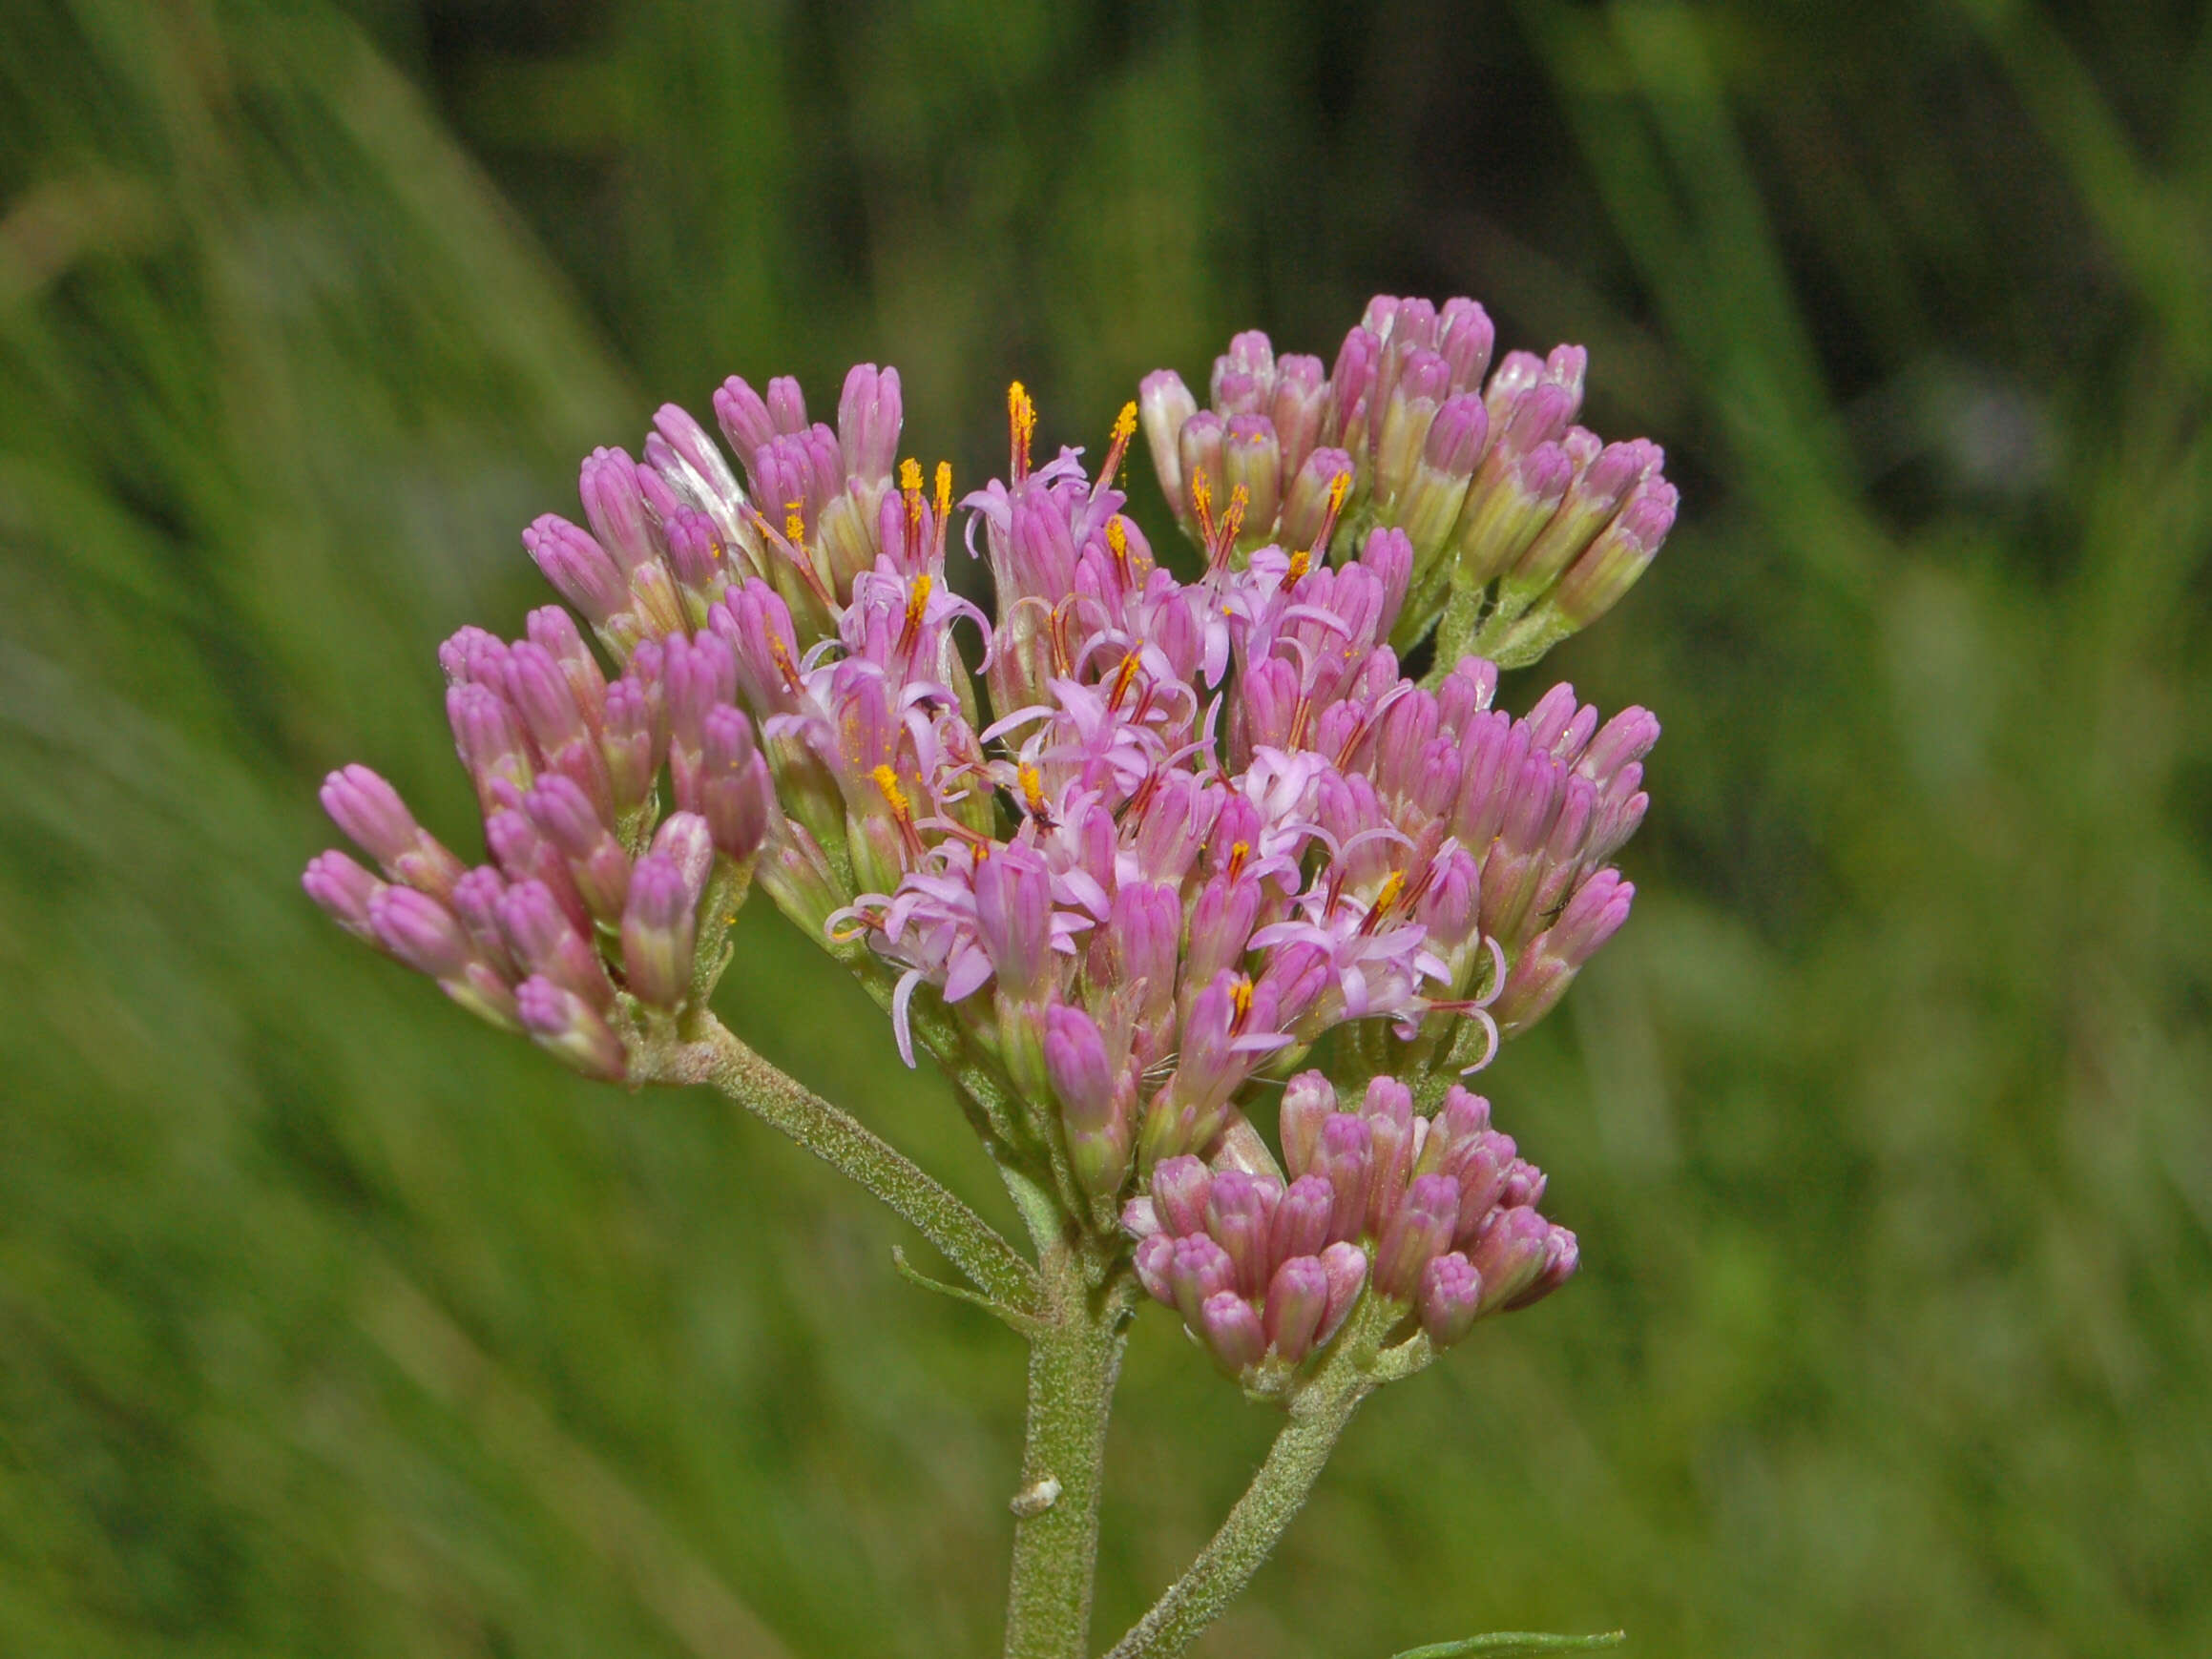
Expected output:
(333, 1323)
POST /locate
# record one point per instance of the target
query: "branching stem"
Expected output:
(1318, 1415)
(713, 1055)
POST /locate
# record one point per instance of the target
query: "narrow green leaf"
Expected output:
(1515, 1641)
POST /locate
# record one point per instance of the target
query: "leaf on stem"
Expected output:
(1509, 1642)
(1020, 1320)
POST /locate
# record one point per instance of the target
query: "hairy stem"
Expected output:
(713, 1055)
(1075, 1360)
(1318, 1415)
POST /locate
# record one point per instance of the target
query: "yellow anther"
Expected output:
(1124, 429)
(918, 601)
(1301, 562)
(887, 780)
(1394, 884)
(1117, 540)
(1237, 854)
(1339, 488)
(1123, 675)
(1032, 788)
(1021, 419)
(944, 492)
(1240, 997)
(794, 524)
(1203, 503)
(910, 487)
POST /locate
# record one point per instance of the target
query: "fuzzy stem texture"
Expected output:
(716, 1056)
(1318, 1416)
(1075, 1360)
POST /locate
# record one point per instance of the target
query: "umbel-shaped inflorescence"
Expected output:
(1122, 853)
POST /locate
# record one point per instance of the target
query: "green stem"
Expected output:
(715, 1056)
(1075, 1360)
(1318, 1415)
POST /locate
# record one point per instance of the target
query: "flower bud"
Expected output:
(1450, 1299)
(736, 795)
(1306, 503)
(1302, 1218)
(631, 741)
(868, 417)
(1181, 1188)
(1345, 1158)
(1252, 461)
(1298, 410)
(544, 940)
(1621, 553)
(1231, 1331)
(659, 928)
(1199, 1267)
(343, 888)
(564, 815)
(614, 507)
(1164, 404)
(1347, 1267)
(1239, 1217)
(570, 1028)
(1308, 1102)
(370, 812)
(579, 569)
(1297, 1306)
(1418, 1230)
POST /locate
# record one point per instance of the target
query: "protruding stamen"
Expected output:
(1339, 488)
(917, 607)
(1021, 419)
(1202, 504)
(1124, 429)
(1301, 562)
(1124, 675)
(1394, 886)
(1118, 544)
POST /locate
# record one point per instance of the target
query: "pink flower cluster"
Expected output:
(1265, 1271)
(1140, 841)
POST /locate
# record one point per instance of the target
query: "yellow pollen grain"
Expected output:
(1125, 423)
(1032, 785)
(1021, 419)
(887, 780)
(918, 601)
(794, 524)
(911, 476)
(1301, 562)
(944, 490)
(1117, 539)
